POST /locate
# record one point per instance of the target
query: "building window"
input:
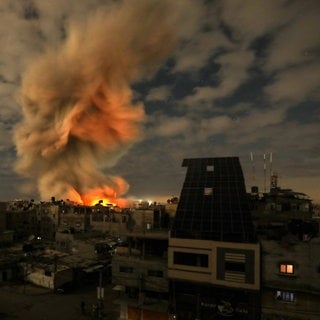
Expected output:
(47, 273)
(286, 268)
(285, 296)
(155, 273)
(235, 266)
(191, 259)
(210, 168)
(126, 269)
(208, 191)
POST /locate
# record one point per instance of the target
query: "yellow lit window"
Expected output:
(286, 268)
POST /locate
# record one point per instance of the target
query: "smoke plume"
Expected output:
(79, 117)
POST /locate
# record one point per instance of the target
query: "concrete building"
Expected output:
(27, 219)
(75, 218)
(109, 219)
(288, 232)
(214, 256)
(139, 269)
(21, 217)
(47, 220)
(278, 206)
(6, 238)
(8, 266)
(290, 278)
(48, 276)
(3, 216)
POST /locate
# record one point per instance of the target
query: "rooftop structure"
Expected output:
(213, 203)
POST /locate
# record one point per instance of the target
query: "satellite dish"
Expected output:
(31, 237)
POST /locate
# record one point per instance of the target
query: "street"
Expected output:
(31, 302)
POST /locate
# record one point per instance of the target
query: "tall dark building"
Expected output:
(214, 259)
(213, 202)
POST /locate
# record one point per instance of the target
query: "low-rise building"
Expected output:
(291, 278)
(109, 220)
(289, 235)
(21, 217)
(8, 267)
(48, 276)
(3, 216)
(6, 238)
(139, 266)
(75, 218)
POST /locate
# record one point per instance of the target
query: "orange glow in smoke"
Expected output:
(106, 118)
(74, 196)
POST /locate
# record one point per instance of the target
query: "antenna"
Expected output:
(253, 169)
(265, 172)
(254, 188)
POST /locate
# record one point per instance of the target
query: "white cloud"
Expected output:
(292, 56)
(297, 43)
(251, 18)
(213, 126)
(233, 73)
(161, 93)
(195, 54)
(164, 126)
(296, 84)
(253, 127)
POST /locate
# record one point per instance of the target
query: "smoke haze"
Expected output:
(79, 117)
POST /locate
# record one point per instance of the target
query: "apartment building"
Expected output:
(139, 267)
(290, 278)
(288, 232)
(214, 256)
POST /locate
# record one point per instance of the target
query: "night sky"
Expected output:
(230, 78)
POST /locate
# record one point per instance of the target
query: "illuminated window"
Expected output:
(285, 296)
(208, 191)
(286, 268)
(210, 168)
